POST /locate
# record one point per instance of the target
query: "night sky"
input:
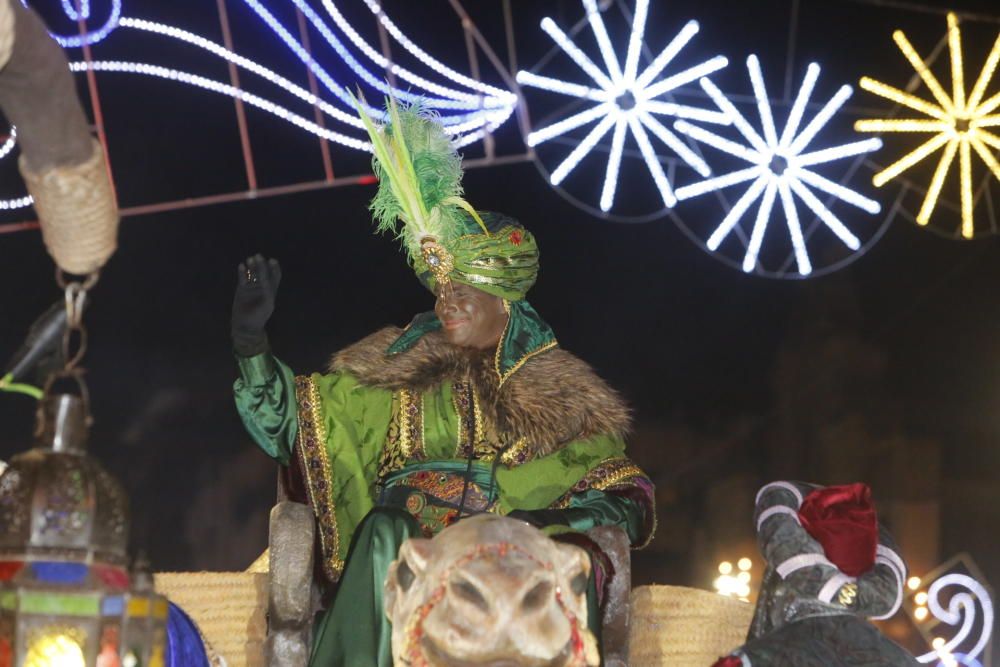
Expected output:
(695, 345)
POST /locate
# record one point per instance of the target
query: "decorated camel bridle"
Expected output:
(413, 653)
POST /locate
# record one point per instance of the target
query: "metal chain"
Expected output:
(74, 342)
(75, 337)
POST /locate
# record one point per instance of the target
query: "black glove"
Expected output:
(257, 281)
(541, 518)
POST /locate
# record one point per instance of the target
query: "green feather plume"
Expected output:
(420, 177)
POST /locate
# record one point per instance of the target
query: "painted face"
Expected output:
(471, 317)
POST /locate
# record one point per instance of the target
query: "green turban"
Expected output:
(420, 200)
(504, 264)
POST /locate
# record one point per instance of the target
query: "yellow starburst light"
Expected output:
(957, 123)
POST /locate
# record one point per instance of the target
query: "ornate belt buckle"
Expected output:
(415, 503)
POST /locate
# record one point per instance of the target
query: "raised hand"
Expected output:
(257, 281)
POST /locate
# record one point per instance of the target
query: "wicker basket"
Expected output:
(229, 608)
(684, 627)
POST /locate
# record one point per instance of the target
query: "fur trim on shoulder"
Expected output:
(552, 399)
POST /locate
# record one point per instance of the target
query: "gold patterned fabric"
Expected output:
(315, 463)
(405, 438)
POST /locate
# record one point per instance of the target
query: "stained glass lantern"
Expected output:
(66, 598)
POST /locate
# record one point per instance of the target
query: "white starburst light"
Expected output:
(625, 99)
(780, 167)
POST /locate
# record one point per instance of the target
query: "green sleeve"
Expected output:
(265, 400)
(594, 508)
(539, 483)
(591, 482)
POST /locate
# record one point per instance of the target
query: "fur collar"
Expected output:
(552, 399)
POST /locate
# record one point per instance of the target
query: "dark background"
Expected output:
(736, 380)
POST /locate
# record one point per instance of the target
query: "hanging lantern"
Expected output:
(66, 598)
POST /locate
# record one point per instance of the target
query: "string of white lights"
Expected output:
(454, 124)
(225, 89)
(485, 124)
(8, 145)
(77, 15)
(779, 165)
(245, 63)
(459, 99)
(5, 149)
(302, 54)
(424, 57)
(17, 202)
(91, 36)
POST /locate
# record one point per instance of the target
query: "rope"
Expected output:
(77, 210)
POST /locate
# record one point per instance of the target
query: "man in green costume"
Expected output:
(472, 408)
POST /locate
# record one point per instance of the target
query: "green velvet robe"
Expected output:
(366, 428)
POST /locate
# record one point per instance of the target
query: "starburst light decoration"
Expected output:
(625, 100)
(957, 122)
(780, 167)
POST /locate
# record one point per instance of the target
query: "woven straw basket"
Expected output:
(684, 627)
(229, 608)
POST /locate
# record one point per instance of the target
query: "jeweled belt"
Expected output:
(436, 488)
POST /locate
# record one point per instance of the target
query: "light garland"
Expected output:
(405, 74)
(484, 109)
(92, 36)
(461, 101)
(958, 121)
(453, 123)
(961, 610)
(254, 100)
(625, 100)
(779, 167)
(73, 13)
(481, 112)
(225, 89)
(427, 59)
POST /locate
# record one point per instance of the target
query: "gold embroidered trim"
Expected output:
(411, 409)
(610, 474)
(469, 411)
(404, 439)
(316, 468)
(523, 360)
(517, 453)
(613, 474)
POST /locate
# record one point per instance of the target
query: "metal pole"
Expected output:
(324, 148)
(234, 79)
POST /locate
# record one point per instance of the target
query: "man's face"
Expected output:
(471, 317)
